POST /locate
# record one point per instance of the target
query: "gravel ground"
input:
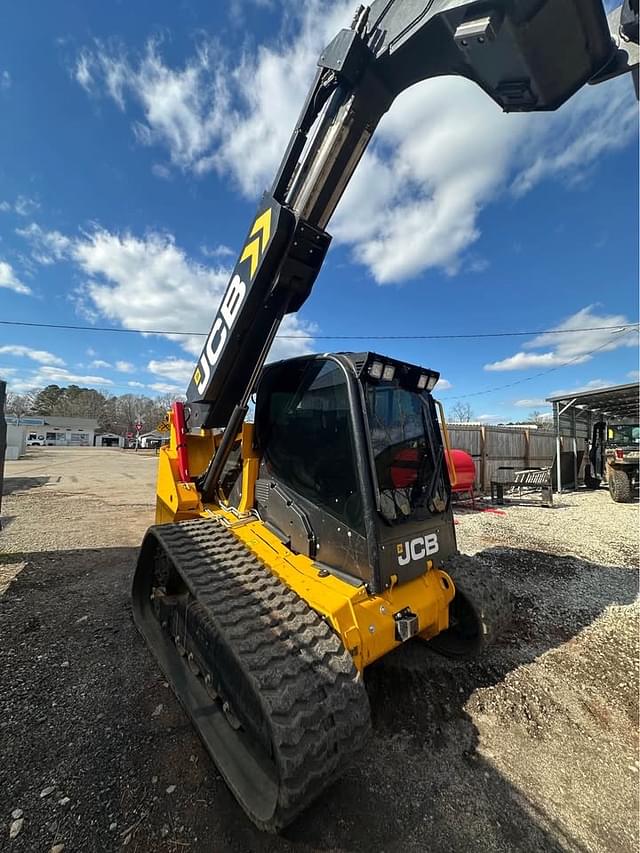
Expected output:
(531, 748)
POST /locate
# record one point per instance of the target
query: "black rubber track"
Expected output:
(290, 663)
(485, 606)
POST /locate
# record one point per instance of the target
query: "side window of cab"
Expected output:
(303, 428)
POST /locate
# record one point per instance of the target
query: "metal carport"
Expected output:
(575, 413)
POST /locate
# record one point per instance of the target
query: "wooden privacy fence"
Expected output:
(493, 447)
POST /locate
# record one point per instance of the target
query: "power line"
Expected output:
(621, 333)
(311, 336)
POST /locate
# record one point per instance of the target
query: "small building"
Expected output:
(54, 431)
(108, 439)
(154, 438)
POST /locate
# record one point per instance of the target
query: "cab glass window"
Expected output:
(304, 428)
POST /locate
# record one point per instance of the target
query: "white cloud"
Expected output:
(178, 369)
(100, 364)
(571, 347)
(220, 251)
(599, 120)
(150, 283)
(82, 71)
(147, 283)
(633, 375)
(5, 80)
(415, 200)
(530, 360)
(443, 385)
(46, 375)
(161, 171)
(592, 385)
(533, 403)
(167, 388)
(9, 279)
(21, 386)
(136, 384)
(24, 205)
(575, 344)
(47, 247)
(55, 374)
(178, 105)
(41, 356)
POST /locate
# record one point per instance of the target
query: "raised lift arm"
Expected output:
(526, 54)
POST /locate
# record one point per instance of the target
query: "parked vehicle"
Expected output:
(614, 457)
(36, 439)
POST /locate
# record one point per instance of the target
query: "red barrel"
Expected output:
(404, 469)
(465, 470)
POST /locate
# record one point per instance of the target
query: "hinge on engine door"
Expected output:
(406, 625)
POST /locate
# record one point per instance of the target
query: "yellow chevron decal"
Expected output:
(260, 232)
(252, 252)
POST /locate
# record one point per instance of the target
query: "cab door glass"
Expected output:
(307, 436)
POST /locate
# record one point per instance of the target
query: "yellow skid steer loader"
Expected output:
(291, 553)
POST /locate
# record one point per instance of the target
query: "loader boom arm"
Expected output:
(528, 55)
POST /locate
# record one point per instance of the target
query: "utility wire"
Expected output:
(311, 336)
(620, 334)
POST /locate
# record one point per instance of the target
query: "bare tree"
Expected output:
(18, 404)
(540, 419)
(462, 412)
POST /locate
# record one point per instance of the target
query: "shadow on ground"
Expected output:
(84, 709)
(22, 484)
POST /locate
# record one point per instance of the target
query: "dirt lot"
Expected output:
(531, 748)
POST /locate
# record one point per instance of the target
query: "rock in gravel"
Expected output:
(46, 791)
(15, 827)
(112, 827)
(57, 848)
(157, 710)
(64, 663)
(64, 801)
(171, 789)
(16, 814)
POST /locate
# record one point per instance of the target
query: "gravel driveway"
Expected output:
(531, 748)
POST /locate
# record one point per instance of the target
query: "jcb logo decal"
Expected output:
(260, 234)
(417, 549)
(231, 302)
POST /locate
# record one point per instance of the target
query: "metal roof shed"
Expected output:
(575, 413)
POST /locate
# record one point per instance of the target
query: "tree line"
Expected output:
(462, 413)
(118, 414)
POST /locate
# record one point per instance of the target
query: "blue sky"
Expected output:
(137, 138)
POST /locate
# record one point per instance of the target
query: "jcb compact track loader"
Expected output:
(291, 553)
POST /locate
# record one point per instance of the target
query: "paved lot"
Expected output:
(533, 747)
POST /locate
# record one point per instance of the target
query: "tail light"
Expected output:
(619, 454)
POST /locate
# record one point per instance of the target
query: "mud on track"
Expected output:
(533, 747)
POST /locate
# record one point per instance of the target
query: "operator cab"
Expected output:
(353, 471)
